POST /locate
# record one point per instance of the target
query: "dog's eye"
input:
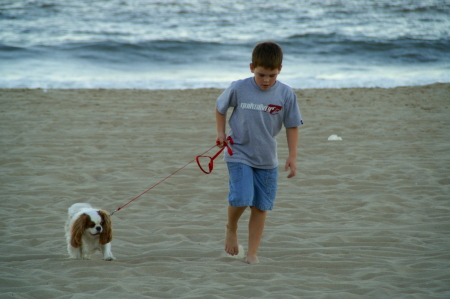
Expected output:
(91, 224)
(101, 223)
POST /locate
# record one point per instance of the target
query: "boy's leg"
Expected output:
(255, 231)
(265, 184)
(231, 241)
(239, 198)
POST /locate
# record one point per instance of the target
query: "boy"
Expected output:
(261, 105)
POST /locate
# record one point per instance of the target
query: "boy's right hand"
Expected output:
(221, 140)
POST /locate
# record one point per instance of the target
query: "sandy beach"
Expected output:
(365, 217)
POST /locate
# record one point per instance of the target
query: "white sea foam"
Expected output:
(128, 80)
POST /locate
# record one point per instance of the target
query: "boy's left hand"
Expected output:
(292, 165)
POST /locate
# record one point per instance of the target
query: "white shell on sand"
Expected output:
(334, 137)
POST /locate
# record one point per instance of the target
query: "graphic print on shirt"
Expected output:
(272, 109)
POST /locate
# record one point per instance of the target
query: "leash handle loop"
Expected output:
(211, 160)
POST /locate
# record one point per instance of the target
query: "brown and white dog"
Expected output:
(88, 230)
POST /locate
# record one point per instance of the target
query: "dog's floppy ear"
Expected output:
(107, 235)
(77, 230)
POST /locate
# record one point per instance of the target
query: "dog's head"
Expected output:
(93, 223)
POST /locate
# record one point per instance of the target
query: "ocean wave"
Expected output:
(403, 50)
(169, 52)
(186, 44)
(400, 50)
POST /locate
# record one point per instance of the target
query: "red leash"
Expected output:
(211, 165)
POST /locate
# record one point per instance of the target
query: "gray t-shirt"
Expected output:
(257, 117)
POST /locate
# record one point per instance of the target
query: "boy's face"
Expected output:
(264, 78)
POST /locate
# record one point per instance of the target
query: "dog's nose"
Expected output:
(98, 228)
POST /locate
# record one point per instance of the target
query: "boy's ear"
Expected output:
(252, 69)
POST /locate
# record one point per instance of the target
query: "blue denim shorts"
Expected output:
(252, 187)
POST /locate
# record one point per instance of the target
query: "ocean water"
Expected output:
(157, 44)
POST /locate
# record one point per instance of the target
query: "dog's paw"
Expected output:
(109, 258)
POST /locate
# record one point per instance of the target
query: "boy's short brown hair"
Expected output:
(267, 55)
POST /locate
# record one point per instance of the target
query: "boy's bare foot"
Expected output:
(231, 242)
(252, 259)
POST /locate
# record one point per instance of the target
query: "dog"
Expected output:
(88, 230)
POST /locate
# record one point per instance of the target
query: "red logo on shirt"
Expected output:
(273, 109)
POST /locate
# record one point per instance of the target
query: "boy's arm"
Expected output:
(292, 140)
(221, 121)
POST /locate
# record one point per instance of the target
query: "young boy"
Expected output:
(261, 105)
